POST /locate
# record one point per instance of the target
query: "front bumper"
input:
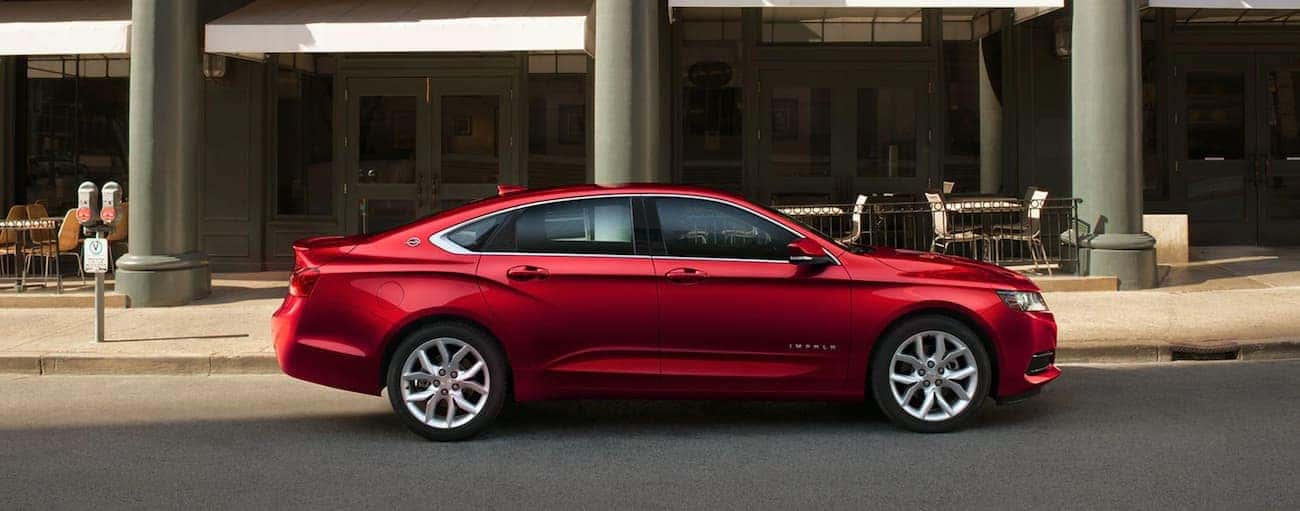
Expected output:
(1027, 355)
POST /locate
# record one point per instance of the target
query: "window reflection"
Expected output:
(800, 127)
(1216, 115)
(387, 139)
(887, 132)
(75, 127)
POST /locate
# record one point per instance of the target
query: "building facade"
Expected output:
(238, 126)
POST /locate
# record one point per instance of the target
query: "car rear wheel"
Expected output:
(930, 374)
(447, 381)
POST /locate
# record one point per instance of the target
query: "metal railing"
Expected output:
(1001, 231)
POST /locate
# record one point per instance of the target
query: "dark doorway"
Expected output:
(1237, 147)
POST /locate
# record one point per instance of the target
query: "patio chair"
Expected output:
(121, 232)
(9, 238)
(1029, 231)
(43, 241)
(68, 242)
(944, 235)
(855, 221)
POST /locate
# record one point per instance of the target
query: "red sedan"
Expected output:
(652, 291)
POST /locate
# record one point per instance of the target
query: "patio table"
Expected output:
(22, 229)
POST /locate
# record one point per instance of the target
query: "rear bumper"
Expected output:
(321, 361)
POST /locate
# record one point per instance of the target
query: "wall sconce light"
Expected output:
(1061, 38)
(214, 66)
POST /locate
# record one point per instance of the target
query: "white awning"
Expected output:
(65, 27)
(1227, 4)
(992, 4)
(307, 26)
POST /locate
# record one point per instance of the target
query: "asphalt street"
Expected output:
(1187, 435)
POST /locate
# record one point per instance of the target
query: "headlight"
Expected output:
(1024, 301)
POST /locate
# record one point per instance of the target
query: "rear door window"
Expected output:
(599, 226)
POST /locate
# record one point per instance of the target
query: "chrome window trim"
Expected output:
(440, 240)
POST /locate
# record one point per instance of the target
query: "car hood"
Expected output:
(928, 265)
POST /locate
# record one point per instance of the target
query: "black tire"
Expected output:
(494, 360)
(881, 386)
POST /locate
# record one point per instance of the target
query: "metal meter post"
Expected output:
(97, 217)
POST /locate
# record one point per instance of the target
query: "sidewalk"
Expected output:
(1242, 299)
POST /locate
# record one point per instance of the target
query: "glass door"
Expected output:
(1216, 147)
(388, 162)
(1279, 180)
(472, 141)
(828, 136)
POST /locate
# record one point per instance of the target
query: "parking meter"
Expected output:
(87, 202)
(112, 194)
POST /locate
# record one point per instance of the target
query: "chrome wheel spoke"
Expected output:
(442, 351)
(420, 376)
(474, 386)
(916, 363)
(955, 355)
(911, 393)
(943, 403)
(939, 348)
(472, 371)
(927, 404)
(956, 389)
(425, 363)
(420, 396)
(460, 355)
(962, 373)
(906, 379)
(429, 409)
(464, 404)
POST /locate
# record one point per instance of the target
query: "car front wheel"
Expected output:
(930, 374)
(447, 381)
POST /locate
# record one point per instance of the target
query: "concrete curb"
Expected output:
(265, 363)
(133, 364)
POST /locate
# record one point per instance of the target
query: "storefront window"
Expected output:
(842, 25)
(1155, 176)
(557, 120)
(304, 115)
(967, 32)
(75, 127)
(712, 103)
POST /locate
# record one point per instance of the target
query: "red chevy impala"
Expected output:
(652, 291)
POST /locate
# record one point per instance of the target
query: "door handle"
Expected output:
(527, 273)
(685, 275)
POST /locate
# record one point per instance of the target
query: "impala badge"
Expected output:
(413, 242)
(814, 347)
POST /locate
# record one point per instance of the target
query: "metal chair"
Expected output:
(944, 235)
(855, 221)
(9, 238)
(1029, 231)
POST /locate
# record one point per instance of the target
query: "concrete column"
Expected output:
(163, 265)
(1106, 150)
(990, 131)
(628, 125)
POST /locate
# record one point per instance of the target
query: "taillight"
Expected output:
(302, 281)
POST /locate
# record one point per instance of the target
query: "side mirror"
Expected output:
(806, 251)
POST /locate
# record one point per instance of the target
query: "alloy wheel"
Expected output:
(933, 375)
(445, 383)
